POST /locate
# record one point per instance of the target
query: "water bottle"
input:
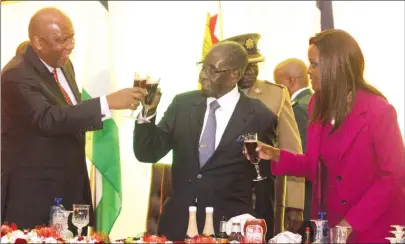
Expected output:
(325, 227)
(56, 206)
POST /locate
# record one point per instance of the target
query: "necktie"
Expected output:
(64, 93)
(207, 143)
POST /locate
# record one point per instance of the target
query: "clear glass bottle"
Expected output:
(209, 225)
(192, 229)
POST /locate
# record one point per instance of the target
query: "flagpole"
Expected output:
(221, 34)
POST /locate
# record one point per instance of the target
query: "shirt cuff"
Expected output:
(105, 110)
(142, 120)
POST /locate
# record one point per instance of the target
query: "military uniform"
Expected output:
(289, 191)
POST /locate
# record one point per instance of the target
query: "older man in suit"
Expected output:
(204, 129)
(292, 73)
(44, 121)
(289, 195)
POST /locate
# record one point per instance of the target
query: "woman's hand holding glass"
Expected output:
(265, 152)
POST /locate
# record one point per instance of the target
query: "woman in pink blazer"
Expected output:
(355, 152)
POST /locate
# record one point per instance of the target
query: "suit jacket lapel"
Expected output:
(49, 84)
(353, 123)
(197, 114)
(71, 81)
(241, 116)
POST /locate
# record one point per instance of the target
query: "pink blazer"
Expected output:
(371, 185)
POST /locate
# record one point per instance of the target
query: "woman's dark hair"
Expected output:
(341, 73)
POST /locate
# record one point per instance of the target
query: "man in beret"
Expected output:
(289, 191)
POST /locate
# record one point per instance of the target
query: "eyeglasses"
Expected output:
(210, 71)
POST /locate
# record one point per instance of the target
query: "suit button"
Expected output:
(339, 178)
(344, 202)
(199, 176)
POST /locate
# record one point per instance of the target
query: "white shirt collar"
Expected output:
(295, 94)
(227, 100)
(46, 65)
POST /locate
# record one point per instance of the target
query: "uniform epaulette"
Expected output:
(274, 84)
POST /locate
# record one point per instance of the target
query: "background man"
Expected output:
(276, 98)
(292, 73)
(204, 129)
(44, 121)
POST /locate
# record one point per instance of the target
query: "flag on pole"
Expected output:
(326, 9)
(102, 147)
(211, 30)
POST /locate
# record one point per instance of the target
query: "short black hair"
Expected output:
(234, 53)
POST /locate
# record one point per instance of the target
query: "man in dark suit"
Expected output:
(44, 122)
(204, 129)
(292, 73)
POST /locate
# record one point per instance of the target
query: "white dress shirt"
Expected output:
(105, 110)
(223, 114)
(295, 94)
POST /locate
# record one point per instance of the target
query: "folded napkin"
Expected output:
(286, 237)
(241, 218)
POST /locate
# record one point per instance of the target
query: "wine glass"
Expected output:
(339, 234)
(151, 86)
(140, 80)
(80, 216)
(250, 141)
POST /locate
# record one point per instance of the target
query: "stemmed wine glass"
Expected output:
(250, 141)
(140, 80)
(339, 234)
(80, 216)
(151, 86)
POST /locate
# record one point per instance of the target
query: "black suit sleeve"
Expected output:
(301, 116)
(152, 142)
(22, 98)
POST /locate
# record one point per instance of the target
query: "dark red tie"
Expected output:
(64, 93)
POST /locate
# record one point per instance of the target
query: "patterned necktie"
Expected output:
(207, 143)
(64, 93)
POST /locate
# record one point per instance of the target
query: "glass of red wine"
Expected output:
(250, 141)
(140, 80)
(151, 85)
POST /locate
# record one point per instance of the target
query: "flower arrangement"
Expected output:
(44, 234)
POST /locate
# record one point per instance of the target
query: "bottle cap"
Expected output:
(224, 219)
(307, 229)
(209, 209)
(322, 215)
(192, 209)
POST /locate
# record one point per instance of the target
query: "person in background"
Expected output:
(43, 123)
(288, 195)
(21, 48)
(205, 131)
(292, 73)
(355, 152)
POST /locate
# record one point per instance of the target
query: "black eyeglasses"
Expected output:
(210, 71)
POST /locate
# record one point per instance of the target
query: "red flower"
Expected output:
(13, 227)
(20, 240)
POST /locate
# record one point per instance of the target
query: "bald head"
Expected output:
(43, 20)
(51, 36)
(292, 73)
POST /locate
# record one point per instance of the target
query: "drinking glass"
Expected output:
(339, 234)
(151, 86)
(80, 216)
(250, 141)
(140, 80)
